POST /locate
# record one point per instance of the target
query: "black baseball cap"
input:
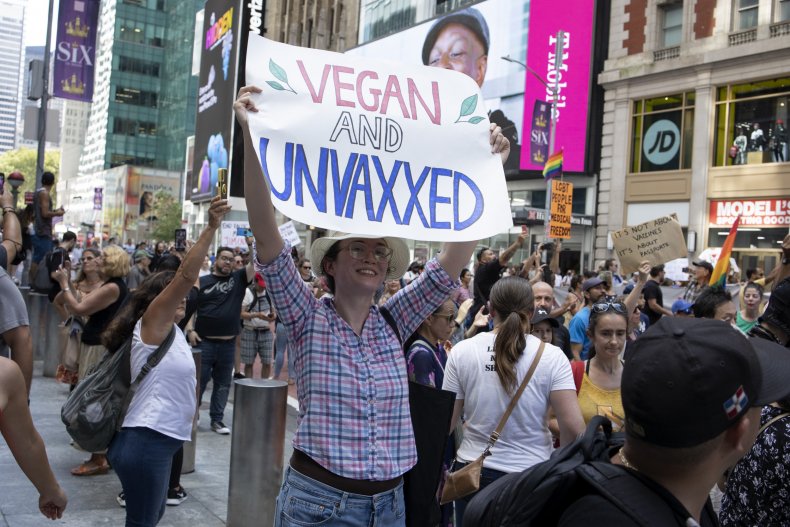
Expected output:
(541, 315)
(688, 380)
(703, 263)
(469, 17)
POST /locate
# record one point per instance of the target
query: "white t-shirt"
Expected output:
(525, 440)
(165, 400)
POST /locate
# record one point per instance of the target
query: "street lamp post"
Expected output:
(15, 179)
(554, 91)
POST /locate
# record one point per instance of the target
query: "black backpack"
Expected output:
(541, 494)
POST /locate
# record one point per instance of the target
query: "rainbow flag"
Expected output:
(553, 166)
(719, 275)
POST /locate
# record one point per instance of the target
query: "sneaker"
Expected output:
(220, 428)
(176, 497)
(121, 499)
(239, 375)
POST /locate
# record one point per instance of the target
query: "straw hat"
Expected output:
(397, 266)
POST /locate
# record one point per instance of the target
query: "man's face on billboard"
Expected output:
(457, 48)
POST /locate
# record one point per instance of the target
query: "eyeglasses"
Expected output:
(87, 259)
(225, 258)
(307, 267)
(603, 307)
(450, 317)
(358, 251)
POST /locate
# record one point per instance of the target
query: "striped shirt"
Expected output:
(353, 392)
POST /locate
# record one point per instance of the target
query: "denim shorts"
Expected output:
(41, 246)
(306, 502)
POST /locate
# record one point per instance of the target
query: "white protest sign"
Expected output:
(374, 147)
(289, 234)
(231, 233)
(657, 241)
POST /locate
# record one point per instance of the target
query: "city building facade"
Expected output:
(695, 116)
(12, 20)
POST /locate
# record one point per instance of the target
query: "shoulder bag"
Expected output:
(466, 481)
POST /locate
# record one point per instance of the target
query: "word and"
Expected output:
(365, 133)
(304, 180)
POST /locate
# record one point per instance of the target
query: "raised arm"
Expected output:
(159, 316)
(25, 442)
(455, 255)
(632, 300)
(508, 253)
(554, 264)
(12, 232)
(268, 242)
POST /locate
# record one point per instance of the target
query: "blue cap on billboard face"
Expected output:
(469, 17)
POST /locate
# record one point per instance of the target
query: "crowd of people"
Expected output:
(700, 404)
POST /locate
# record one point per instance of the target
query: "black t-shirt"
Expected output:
(97, 322)
(192, 299)
(652, 290)
(56, 259)
(219, 304)
(562, 338)
(3, 258)
(486, 276)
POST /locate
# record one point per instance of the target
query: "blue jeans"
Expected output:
(487, 477)
(280, 348)
(216, 363)
(41, 246)
(304, 501)
(142, 457)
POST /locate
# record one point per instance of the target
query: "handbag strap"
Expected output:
(772, 421)
(495, 434)
(150, 363)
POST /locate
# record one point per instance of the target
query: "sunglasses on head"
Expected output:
(603, 307)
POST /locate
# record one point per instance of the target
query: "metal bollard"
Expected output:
(256, 452)
(44, 329)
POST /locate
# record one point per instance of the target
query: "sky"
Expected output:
(36, 22)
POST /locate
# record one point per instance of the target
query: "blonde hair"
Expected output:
(115, 262)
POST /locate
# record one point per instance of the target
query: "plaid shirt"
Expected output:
(353, 392)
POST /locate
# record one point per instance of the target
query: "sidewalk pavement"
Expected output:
(92, 499)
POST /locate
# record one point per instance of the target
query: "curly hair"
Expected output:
(122, 325)
(115, 262)
(513, 301)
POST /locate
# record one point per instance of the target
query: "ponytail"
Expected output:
(512, 300)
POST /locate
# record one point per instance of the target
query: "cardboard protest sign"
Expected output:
(657, 241)
(374, 147)
(561, 205)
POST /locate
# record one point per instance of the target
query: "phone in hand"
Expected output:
(181, 240)
(222, 183)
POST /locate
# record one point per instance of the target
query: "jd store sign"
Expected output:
(661, 143)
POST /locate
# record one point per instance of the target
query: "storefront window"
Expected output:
(662, 133)
(751, 123)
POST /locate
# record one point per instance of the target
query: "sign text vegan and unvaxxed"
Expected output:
(372, 147)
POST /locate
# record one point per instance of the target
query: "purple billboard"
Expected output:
(75, 51)
(572, 77)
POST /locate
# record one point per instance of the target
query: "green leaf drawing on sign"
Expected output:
(277, 71)
(476, 119)
(468, 106)
(280, 74)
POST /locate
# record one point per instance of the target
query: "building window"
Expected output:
(672, 24)
(662, 133)
(782, 13)
(745, 14)
(751, 121)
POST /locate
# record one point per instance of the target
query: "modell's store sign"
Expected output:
(754, 213)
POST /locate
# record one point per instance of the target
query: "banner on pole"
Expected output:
(561, 206)
(75, 53)
(657, 241)
(98, 198)
(373, 147)
(539, 135)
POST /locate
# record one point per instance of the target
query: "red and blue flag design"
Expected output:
(736, 403)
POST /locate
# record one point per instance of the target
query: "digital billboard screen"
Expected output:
(216, 93)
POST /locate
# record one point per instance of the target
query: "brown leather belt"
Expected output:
(307, 466)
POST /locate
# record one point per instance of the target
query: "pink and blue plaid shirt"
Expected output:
(353, 391)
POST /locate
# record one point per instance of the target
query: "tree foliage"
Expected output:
(167, 210)
(24, 160)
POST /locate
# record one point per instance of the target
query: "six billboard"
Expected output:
(75, 51)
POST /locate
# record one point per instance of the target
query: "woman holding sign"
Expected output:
(354, 439)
